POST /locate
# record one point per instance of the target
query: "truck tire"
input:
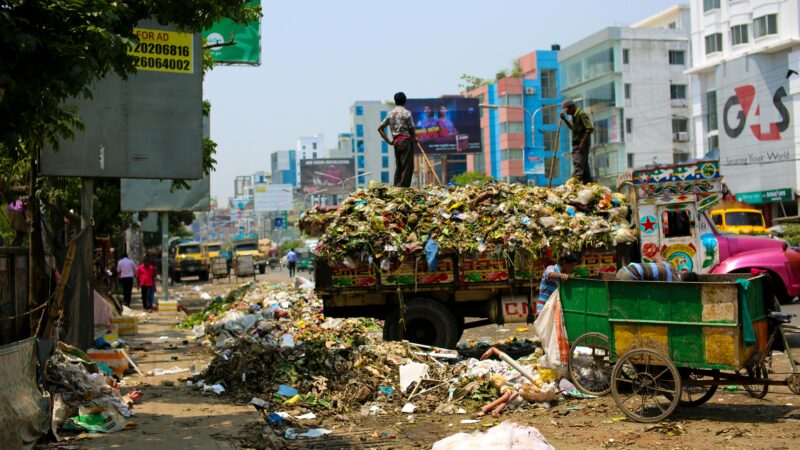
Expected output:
(176, 277)
(427, 322)
(204, 276)
(262, 269)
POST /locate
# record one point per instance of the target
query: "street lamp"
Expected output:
(305, 198)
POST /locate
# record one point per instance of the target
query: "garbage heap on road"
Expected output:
(392, 223)
(86, 396)
(274, 347)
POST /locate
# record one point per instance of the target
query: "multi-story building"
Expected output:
(631, 81)
(283, 166)
(509, 106)
(344, 146)
(373, 158)
(744, 78)
(311, 147)
(242, 187)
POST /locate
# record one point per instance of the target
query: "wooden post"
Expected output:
(555, 152)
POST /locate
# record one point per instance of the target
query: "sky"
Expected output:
(320, 56)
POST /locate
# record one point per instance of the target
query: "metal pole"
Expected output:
(87, 211)
(164, 255)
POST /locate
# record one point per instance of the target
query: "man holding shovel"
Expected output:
(404, 139)
(581, 128)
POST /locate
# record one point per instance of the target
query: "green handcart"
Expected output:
(673, 344)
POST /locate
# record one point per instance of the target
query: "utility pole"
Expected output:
(165, 255)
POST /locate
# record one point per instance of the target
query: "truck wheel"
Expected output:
(176, 277)
(262, 269)
(203, 276)
(427, 322)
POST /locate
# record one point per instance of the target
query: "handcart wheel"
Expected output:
(589, 364)
(793, 381)
(757, 373)
(645, 385)
(692, 396)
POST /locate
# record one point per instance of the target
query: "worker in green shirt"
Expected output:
(581, 128)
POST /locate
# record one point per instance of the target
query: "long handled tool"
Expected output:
(553, 160)
(438, 181)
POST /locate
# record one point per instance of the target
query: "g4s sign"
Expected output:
(742, 103)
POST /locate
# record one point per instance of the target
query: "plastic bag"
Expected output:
(549, 327)
(507, 435)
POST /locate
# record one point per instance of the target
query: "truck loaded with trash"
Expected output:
(425, 260)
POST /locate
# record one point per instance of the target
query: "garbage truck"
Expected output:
(669, 209)
(190, 259)
(250, 246)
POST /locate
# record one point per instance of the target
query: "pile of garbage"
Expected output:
(275, 348)
(390, 222)
(86, 395)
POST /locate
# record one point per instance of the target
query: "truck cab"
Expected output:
(190, 259)
(739, 220)
(250, 247)
(672, 205)
(212, 249)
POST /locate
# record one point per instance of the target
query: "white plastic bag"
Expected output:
(549, 327)
(507, 435)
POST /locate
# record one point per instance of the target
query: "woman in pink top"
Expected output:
(146, 273)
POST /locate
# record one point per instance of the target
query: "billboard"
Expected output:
(534, 163)
(333, 175)
(755, 123)
(273, 197)
(148, 126)
(447, 125)
(246, 37)
(158, 195)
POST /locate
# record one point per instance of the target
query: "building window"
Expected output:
(360, 146)
(679, 157)
(677, 91)
(359, 110)
(550, 115)
(625, 56)
(360, 161)
(511, 154)
(314, 155)
(765, 25)
(511, 100)
(361, 179)
(680, 130)
(629, 126)
(359, 130)
(708, 5)
(713, 43)
(384, 147)
(549, 83)
(672, 25)
(385, 177)
(512, 127)
(630, 160)
(713, 143)
(677, 57)
(711, 108)
(314, 145)
(739, 34)
(548, 163)
(627, 91)
(549, 140)
(385, 162)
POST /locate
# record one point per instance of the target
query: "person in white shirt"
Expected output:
(126, 269)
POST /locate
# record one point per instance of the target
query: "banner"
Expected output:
(447, 125)
(247, 38)
(273, 197)
(333, 176)
(533, 164)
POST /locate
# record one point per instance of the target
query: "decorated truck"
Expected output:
(669, 209)
(190, 259)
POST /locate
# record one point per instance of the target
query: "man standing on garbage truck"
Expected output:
(404, 139)
(581, 129)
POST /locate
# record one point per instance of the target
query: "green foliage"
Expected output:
(469, 82)
(516, 69)
(501, 74)
(791, 233)
(466, 178)
(291, 244)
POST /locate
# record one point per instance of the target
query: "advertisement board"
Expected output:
(534, 162)
(755, 120)
(147, 126)
(447, 125)
(272, 197)
(246, 38)
(158, 195)
(331, 175)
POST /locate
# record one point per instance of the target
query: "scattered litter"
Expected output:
(469, 421)
(292, 433)
(259, 403)
(410, 373)
(159, 372)
(507, 435)
(215, 388)
(286, 391)
(408, 408)
(307, 416)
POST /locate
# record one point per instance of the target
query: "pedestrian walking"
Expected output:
(126, 270)
(552, 277)
(581, 129)
(291, 261)
(404, 140)
(146, 273)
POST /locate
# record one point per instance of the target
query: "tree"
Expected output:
(469, 82)
(54, 50)
(467, 178)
